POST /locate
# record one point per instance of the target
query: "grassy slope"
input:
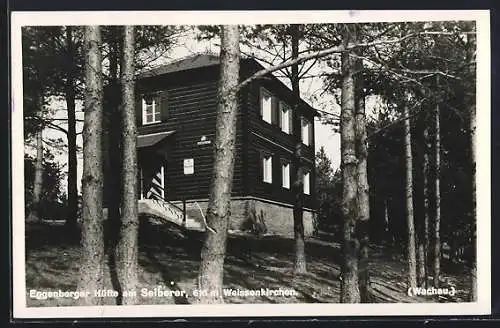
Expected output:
(170, 259)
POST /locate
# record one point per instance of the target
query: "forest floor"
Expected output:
(169, 260)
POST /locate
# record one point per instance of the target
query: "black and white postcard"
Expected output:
(250, 163)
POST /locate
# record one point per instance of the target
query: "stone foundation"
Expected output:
(277, 218)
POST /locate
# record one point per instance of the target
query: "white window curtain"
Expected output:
(307, 183)
(267, 164)
(285, 117)
(266, 106)
(285, 171)
(305, 131)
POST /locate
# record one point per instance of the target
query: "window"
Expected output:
(285, 175)
(306, 131)
(267, 167)
(307, 183)
(151, 111)
(266, 106)
(286, 117)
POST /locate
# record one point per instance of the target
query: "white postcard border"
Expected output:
(482, 306)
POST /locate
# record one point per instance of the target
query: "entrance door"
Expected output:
(152, 180)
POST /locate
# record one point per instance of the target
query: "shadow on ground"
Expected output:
(169, 257)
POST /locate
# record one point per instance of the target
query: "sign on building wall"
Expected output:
(188, 166)
(203, 141)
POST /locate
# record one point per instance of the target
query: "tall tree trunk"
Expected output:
(72, 213)
(421, 260)
(214, 245)
(422, 218)
(437, 218)
(411, 255)
(363, 201)
(471, 49)
(387, 223)
(92, 240)
(426, 172)
(473, 180)
(114, 159)
(350, 286)
(128, 243)
(35, 211)
(298, 223)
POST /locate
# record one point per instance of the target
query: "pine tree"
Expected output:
(410, 225)
(350, 284)
(70, 96)
(437, 217)
(363, 199)
(92, 239)
(35, 211)
(128, 248)
(298, 183)
(213, 252)
(471, 49)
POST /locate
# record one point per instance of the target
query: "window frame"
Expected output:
(265, 92)
(155, 110)
(281, 106)
(306, 176)
(306, 141)
(265, 158)
(283, 165)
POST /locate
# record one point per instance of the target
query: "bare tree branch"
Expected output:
(319, 54)
(56, 127)
(385, 68)
(333, 115)
(385, 127)
(259, 58)
(65, 119)
(303, 71)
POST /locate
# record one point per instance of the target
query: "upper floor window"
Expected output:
(267, 168)
(307, 183)
(151, 110)
(285, 117)
(266, 105)
(285, 175)
(306, 131)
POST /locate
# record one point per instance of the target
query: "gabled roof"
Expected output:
(204, 60)
(183, 64)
